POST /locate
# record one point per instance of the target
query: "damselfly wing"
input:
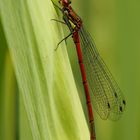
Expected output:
(106, 96)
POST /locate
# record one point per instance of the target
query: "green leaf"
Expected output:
(44, 76)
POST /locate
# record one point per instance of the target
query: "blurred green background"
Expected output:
(114, 24)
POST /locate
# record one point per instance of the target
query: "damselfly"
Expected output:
(101, 90)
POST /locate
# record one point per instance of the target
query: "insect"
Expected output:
(101, 90)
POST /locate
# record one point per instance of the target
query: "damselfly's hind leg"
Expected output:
(64, 39)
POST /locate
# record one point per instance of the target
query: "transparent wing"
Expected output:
(107, 98)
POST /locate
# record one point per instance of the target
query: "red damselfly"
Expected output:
(101, 90)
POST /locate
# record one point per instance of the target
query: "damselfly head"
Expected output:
(65, 3)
